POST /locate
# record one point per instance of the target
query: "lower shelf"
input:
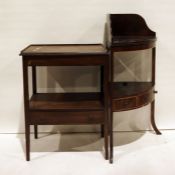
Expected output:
(66, 101)
(131, 95)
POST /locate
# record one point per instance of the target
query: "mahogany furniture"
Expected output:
(129, 32)
(65, 108)
(125, 33)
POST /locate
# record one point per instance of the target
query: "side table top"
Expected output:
(64, 49)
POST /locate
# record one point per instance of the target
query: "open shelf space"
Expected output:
(66, 101)
(129, 89)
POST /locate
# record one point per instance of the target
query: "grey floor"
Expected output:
(135, 153)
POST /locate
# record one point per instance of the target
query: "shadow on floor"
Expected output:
(76, 142)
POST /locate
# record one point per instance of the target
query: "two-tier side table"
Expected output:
(65, 108)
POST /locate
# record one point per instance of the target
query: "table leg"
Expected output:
(153, 118)
(36, 131)
(106, 141)
(27, 135)
(102, 130)
(111, 136)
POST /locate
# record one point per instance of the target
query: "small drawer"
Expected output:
(49, 118)
(123, 104)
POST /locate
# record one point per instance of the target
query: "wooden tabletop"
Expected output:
(65, 49)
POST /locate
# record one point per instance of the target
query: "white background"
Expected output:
(24, 22)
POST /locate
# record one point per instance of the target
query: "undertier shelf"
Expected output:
(66, 101)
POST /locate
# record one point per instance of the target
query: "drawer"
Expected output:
(43, 118)
(123, 104)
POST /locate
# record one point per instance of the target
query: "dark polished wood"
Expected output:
(102, 90)
(34, 85)
(153, 119)
(111, 135)
(66, 101)
(36, 131)
(66, 117)
(34, 79)
(131, 95)
(129, 32)
(65, 108)
(64, 50)
(26, 109)
(102, 130)
(105, 90)
(129, 25)
(110, 112)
